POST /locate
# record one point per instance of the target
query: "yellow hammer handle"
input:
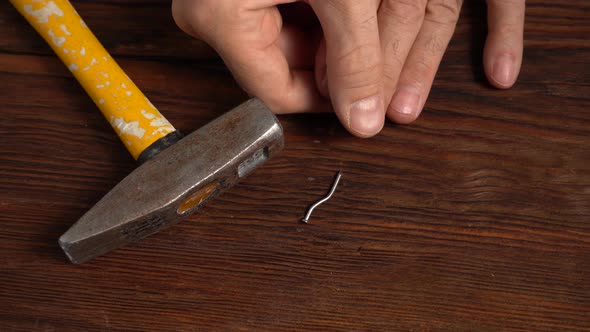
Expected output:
(137, 122)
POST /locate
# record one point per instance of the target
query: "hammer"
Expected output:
(176, 175)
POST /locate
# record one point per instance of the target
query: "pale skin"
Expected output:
(372, 59)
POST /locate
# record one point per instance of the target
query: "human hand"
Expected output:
(375, 59)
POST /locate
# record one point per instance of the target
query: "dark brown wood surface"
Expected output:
(475, 218)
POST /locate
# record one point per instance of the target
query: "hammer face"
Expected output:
(177, 182)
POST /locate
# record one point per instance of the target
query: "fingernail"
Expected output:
(503, 69)
(406, 100)
(366, 115)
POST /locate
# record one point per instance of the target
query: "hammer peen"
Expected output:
(177, 175)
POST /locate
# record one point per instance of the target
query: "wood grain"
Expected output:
(475, 218)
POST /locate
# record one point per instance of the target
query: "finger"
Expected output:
(503, 49)
(266, 75)
(423, 60)
(353, 57)
(263, 71)
(248, 44)
(399, 24)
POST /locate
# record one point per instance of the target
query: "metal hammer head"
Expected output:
(177, 181)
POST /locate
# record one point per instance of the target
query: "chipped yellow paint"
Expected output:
(137, 122)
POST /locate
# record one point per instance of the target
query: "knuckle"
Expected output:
(193, 17)
(178, 14)
(343, 5)
(350, 12)
(361, 66)
(435, 45)
(392, 52)
(404, 11)
(368, 23)
(445, 12)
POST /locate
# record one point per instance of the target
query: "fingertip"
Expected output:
(366, 117)
(502, 71)
(405, 106)
(401, 118)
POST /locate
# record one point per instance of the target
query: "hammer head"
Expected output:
(177, 182)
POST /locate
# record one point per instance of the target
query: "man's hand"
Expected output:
(372, 58)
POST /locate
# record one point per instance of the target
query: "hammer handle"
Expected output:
(133, 117)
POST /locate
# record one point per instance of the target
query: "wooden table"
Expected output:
(475, 218)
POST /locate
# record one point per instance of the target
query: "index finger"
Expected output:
(246, 36)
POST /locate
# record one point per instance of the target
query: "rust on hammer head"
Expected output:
(177, 182)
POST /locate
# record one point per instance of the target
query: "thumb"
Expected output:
(353, 60)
